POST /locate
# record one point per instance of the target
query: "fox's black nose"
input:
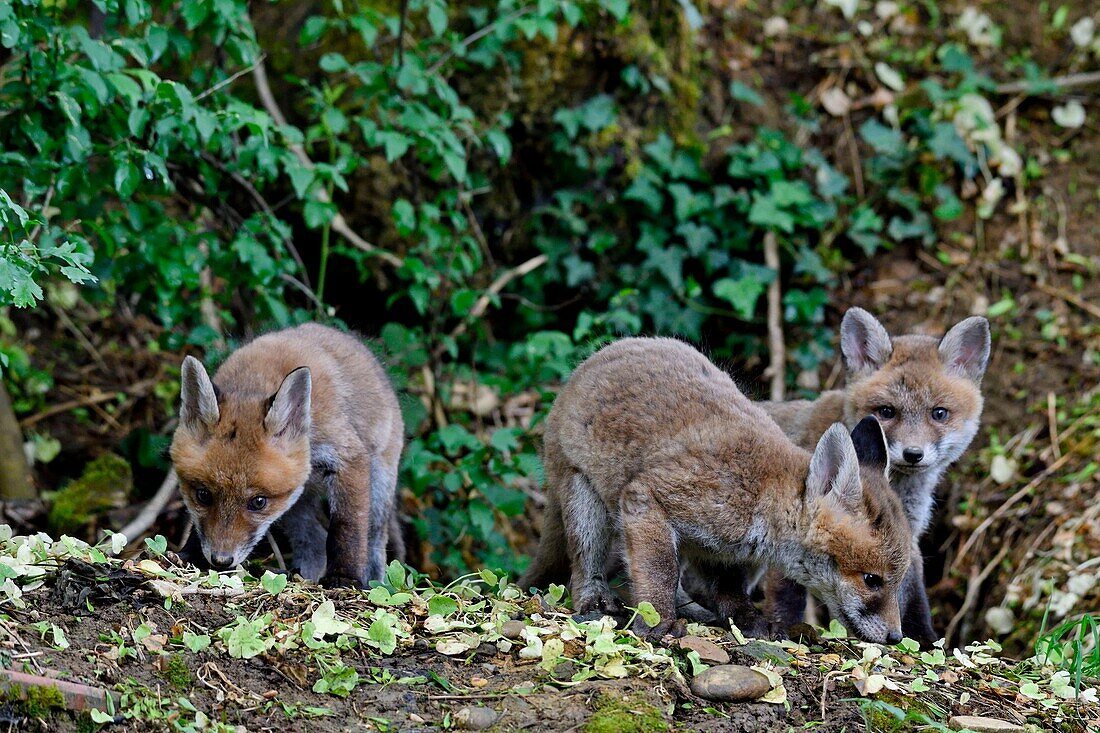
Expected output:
(912, 455)
(893, 636)
(221, 562)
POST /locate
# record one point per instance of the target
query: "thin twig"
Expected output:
(138, 389)
(401, 33)
(1060, 82)
(853, 151)
(1052, 421)
(776, 370)
(494, 288)
(977, 579)
(1003, 508)
(276, 551)
(339, 223)
(231, 79)
(477, 36)
(260, 201)
(138, 526)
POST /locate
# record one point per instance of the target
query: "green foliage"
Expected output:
(458, 142)
(1073, 646)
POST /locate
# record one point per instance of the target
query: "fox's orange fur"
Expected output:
(290, 420)
(649, 437)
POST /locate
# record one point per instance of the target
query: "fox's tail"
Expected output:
(551, 561)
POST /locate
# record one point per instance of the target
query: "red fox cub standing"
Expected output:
(926, 393)
(290, 419)
(650, 436)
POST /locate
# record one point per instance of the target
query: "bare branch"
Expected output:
(776, 370)
(339, 223)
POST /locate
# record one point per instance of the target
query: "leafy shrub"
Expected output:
(455, 142)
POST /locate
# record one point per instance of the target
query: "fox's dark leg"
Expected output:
(726, 588)
(349, 513)
(588, 536)
(916, 616)
(303, 528)
(550, 563)
(383, 481)
(395, 538)
(785, 599)
(651, 560)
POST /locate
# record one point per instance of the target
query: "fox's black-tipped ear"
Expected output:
(863, 342)
(289, 413)
(834, 470)
(964, 350)
(198, 396)
(870, 442)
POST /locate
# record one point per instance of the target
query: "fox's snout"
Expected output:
(221, 562)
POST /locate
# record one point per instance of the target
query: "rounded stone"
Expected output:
(473, 717)
(512, 629)
(978, 724)
(730, 683)
(708, 651)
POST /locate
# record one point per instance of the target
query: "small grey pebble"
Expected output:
(512, 629)
(473, 717)
(978, 724)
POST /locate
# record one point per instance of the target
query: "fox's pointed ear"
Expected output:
(198, 397)
(834, 470)
(870, 444)
(288, 416)
(964, 350)
(863, 342)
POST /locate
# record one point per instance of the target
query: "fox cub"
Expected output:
(926, 393)
(650, 437)
(293, 418)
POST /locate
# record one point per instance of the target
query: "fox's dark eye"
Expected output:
(939, 414)
(886, 412)
(257, 503)
(203, 496)
(872, 581)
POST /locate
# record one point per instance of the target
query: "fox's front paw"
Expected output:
(337, 580)
(670, 627)
(602, 601)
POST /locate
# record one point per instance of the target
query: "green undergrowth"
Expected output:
(341, 643)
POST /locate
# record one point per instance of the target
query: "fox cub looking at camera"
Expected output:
(290, 419)
(926, 393)
(648, 435)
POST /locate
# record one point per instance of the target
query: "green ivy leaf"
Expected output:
(273, 583)
(885, 140)
(440, 605)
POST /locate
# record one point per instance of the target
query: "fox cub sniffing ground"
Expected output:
(926, 393)
(650, 436)
(290, 419)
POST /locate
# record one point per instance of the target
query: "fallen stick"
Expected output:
(145, 518)
(76, 696)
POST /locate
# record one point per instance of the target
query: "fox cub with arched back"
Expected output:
(648, 436)
(290, 420)
(926, 393)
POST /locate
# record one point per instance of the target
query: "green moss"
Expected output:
(176, 673)
(630, 714)
(37, 701)
(85, 724)
(104, 485)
